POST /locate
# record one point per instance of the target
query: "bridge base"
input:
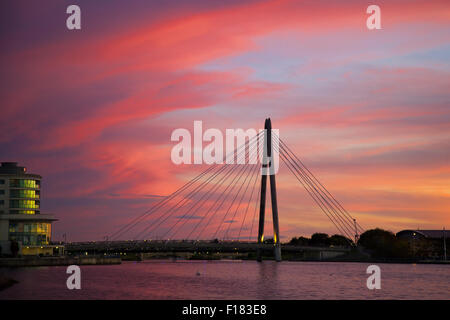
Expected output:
(258, 254)
(277, 252)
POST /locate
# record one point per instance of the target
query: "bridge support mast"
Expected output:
(268, 168)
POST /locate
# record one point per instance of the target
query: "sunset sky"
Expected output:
(92, 110)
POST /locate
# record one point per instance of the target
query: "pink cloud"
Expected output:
(68, 104)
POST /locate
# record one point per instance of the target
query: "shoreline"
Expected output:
(229, 258)
(112, 260)
(57, 261)
(6, 282)
(291, 258)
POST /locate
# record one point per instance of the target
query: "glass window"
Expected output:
(23, 212)
(24, 183)
(30, 233)
(13, 227)
(2, 181)
(26, 204)
(2, 191)
(24, 194)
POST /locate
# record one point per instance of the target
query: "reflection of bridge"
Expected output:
(221, 203)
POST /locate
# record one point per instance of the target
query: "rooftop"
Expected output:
(433, 234)
(13, 168)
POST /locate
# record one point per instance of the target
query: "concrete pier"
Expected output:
(277, 252)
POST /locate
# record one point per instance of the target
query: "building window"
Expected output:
(25, 204)
(2, 181)
(30, 233)
(23, 212)
(2, 191)
(33, 194)
(24, 183)
(2, 202)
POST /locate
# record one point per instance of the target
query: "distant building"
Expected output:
(423, 234)
(21, 221)
(426, 243)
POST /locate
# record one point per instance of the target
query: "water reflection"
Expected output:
(267, 282)
(231, 280)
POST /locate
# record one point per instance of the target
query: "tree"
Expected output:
(338, 240)
(300, 241)
(320, 239)
(383, 244)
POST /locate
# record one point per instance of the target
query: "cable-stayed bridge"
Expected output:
(227, 202)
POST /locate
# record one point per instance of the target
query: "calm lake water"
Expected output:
(157, 279)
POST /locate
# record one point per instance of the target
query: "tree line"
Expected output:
(380, 243)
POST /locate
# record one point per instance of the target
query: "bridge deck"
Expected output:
(191, 246)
